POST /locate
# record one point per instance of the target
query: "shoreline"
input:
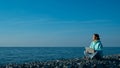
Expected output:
(109, 61)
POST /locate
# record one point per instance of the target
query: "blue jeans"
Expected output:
(97, 55)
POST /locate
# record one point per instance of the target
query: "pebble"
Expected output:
(111, 61)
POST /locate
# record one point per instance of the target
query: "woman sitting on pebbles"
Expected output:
(95, 48)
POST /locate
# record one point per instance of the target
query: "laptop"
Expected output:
(89, 50)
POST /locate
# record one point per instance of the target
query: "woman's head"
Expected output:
(96, 37)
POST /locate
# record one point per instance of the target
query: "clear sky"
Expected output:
(57, 23)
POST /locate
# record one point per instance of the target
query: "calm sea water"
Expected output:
(29, 54)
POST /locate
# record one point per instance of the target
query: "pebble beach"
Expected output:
(109, 61)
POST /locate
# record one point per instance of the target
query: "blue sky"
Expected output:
(69, 23)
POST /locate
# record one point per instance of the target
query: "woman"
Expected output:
(97, 48)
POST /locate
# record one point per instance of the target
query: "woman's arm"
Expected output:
(98, 46)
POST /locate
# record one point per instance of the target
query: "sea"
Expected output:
(31, 54)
